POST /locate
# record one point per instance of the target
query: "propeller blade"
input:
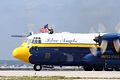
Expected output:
(96, 37)
(91, 30)
(117, 28)
(93, 50)
(101, 28)
(103, 46)
(19, 36)
(23, 36)
(30, 27)
(116, 45)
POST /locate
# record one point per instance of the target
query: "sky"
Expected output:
(76, 16)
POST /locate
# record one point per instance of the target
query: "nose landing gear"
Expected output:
(37, 67)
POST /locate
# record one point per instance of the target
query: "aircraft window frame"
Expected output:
(33, 41)
(36, 40)
(26, 40)
(39, 41)
(29, 40)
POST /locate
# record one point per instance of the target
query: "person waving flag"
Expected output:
(46, 28)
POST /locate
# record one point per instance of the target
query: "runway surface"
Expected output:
(100, 74)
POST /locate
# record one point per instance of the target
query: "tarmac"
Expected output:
(100, 74)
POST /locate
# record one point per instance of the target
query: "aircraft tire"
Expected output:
(88, 68)
(37, 67)
(100, 68)
(108, 69)
(117, 69)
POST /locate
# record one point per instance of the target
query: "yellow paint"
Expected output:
(66, 45)
(22, 54)
(24, 44)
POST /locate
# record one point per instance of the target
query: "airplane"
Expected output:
(71, 49)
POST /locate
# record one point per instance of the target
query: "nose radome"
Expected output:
(14, 53)
(22, 54)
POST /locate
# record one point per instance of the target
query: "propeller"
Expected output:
(117, 45)
(30, 27)
(103, 46)
(101, 29)
(93, 50)
(18, 36)
(97, 39)
(104, 43)
(91, 30)
(117, 28)
(117, 41)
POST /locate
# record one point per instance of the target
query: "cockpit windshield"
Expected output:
(28, 40)
(36, 40)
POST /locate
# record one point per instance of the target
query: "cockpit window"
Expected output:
(36, 40)
(28, 40)
(25, 40)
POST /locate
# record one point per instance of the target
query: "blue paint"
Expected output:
(110, 36)
(57, 57)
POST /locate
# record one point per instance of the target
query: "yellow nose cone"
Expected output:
(22, 54)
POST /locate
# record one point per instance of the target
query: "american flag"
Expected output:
(44, 29)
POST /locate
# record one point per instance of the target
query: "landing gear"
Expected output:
(108, 69)
(98, 68)
(117, 69)
(37, 67)
(88, 68)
